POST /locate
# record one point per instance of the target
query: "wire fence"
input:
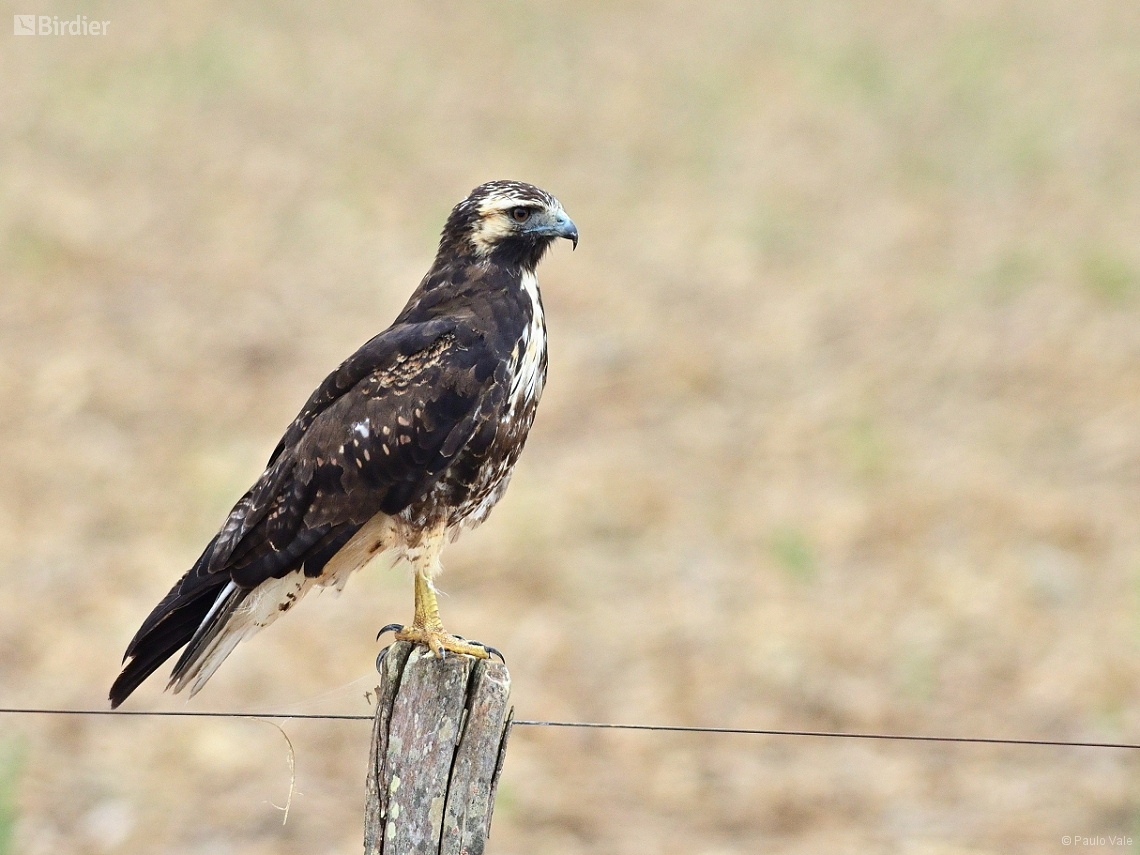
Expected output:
(664, 728)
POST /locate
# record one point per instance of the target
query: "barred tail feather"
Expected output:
(210, 644)
(237, 614)
(210, 613)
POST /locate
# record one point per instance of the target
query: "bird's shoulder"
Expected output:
(389, 363)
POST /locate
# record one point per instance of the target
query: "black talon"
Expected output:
(380, 657)
(392, 627)
(491, 650)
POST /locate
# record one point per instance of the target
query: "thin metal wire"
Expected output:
(666, 728)
(185, 714)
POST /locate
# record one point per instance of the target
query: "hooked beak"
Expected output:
(567, 229)
(559, 226)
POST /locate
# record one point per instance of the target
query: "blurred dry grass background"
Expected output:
(841, 427)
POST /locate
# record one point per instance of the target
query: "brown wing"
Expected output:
(375, 436)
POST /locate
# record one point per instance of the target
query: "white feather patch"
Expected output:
(529, 377)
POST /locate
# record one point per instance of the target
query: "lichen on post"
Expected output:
(438, 740)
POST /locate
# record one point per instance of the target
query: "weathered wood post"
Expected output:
(438, 744)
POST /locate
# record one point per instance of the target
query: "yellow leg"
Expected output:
(427, 607)
(427, 628)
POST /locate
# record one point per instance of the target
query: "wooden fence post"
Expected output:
(438, 744)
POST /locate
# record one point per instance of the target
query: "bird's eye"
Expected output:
(520, 215)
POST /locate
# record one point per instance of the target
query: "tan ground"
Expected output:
(842, 427)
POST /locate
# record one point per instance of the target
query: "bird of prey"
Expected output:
(410, 440)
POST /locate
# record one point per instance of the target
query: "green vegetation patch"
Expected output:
(1109, 274)
(793, 551)
(11, 766)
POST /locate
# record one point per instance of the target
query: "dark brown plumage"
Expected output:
(413, 437)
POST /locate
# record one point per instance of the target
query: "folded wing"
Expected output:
(375, 437)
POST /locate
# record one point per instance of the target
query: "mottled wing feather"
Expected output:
(378, 446)
(375, 436)
(386, 353)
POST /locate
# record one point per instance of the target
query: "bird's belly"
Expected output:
(467, 492)
(479, 503)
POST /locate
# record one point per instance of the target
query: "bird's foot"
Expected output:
(441, 643)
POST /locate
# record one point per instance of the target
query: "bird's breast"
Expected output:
(528, 360)
(528, 377)
(478, 477)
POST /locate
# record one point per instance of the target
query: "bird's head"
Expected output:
(507, 221)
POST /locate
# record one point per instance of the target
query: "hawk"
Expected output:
(412, 439)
